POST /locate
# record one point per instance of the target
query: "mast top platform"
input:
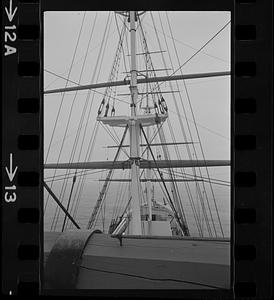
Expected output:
(122, 121)
(125, 13)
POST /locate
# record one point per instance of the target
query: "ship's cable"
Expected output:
(62, 100)
(185, 137)
(80, 124)
(198, 51)
(152, 278)
(171, 131)
(192, 113)
(92, 139)
(187, 147)
(63, 189)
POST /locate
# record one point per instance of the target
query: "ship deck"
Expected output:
(151, 262)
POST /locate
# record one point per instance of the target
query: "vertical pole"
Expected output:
(149, 182)
(134, 136)
(148, 171)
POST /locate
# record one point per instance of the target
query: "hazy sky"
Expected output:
(210, 97)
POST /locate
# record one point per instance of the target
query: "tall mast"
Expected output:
(148, 171)
(134, 135)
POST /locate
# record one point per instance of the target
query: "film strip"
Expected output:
(249, 214)
(251, 138)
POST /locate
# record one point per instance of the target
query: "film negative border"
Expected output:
(22, 145)
(253, 148)
(21, 151)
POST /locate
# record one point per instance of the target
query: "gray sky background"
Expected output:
(210, 97)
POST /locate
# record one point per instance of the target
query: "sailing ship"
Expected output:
(148, 242)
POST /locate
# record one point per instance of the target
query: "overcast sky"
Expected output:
(209, 97)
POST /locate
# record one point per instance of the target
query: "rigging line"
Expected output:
(165, 149)
(188, 190)
(118, 192)
(122, 197)
(126, 194)
(198, 178)
(124, 56)
(75, 173)
(164, 192)
(199, 50)
(63, 144)
(67, 79)
(148, 59)
(83, 176)
(188, 97)
(77, 138)
(193, 169)
(86, 125)
(83, 179)
(59, 76)
(202, 179)
(182, 226)
(102, 196)
(196, 130)
(68, 204)
(87, 157)
(116, 60)
(127, 47)
(152, 138)
(113, 137)
(206, 80)
(115, 133)
(141, 20)
(100, 58)
(121, 40)
(62, 99)
(78, 61)
(103, 201)
(174, 185)
(200, 125)
(123, 20)
(60, 204)
(176, 148)
(64, 185)
(188, 45)
(93, 90)
(184, 133)
(81, 173)
(150, 278)
(80, 121)
(127, 206)
(182, 128)
(212, 179)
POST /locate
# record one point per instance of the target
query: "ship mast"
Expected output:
(134, 130)
(135, 122)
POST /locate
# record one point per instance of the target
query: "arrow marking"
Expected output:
(11, 173)
(10, 13)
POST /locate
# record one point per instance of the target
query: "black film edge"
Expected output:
(22, 147)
